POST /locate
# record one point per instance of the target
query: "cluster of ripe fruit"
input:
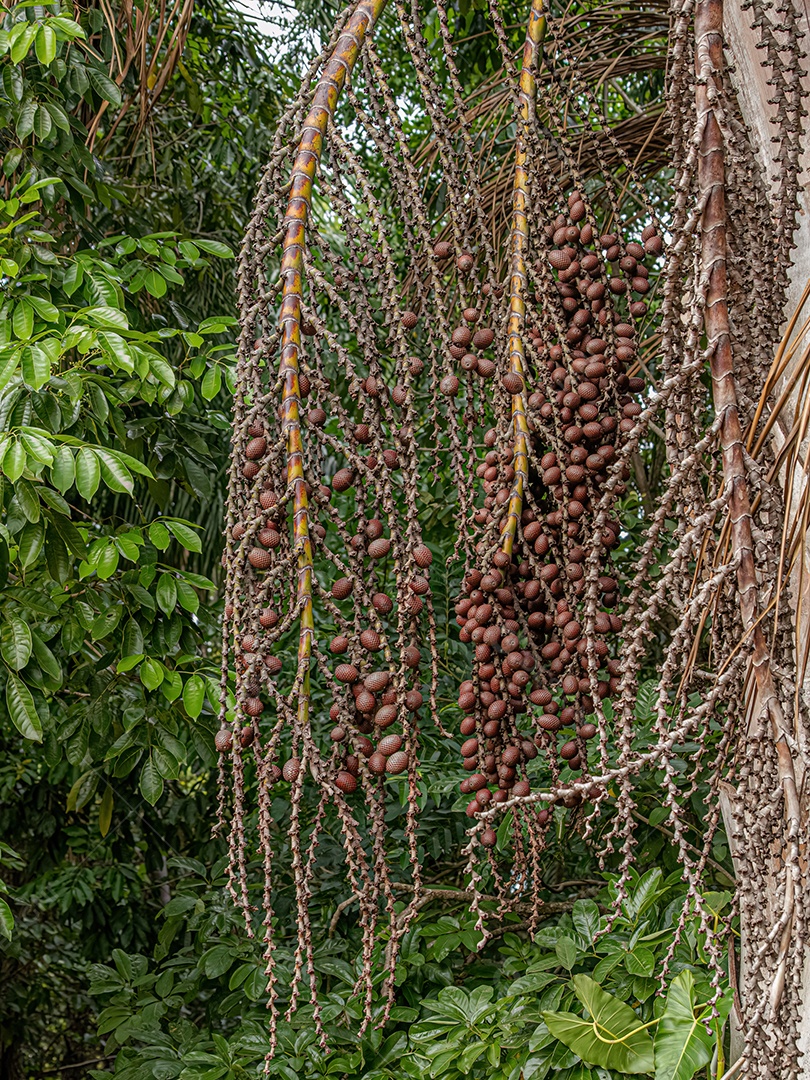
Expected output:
(541, 617)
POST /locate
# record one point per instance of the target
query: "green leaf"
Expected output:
(6, 920)
(151, 673)
(43, 123)
(14, 461)
(107, 562)
(613, 1037)
(15, 642)
(21, 709)
(63, 469)
(194, 695)
(159, 535)
(566, 950)
(45, 45)
(151, 782)
(214, 247)
(186, 596)
(88, 473)
(186, 535)
(35, 367)
(166, 593)
(30, 542)
(211, 384)
(682, 1043)
(116, 476)
(105, 811)
(82, 791)
(22, 320)
(586, 921)
(103, 85)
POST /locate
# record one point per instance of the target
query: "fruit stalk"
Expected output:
(307, 158)
(535, 33)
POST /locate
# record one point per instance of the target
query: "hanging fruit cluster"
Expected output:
(540, 610)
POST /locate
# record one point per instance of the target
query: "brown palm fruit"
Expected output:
(486, 368)
(342, 588)
(397, 763)
(256, 448)
(238, 531)
(377, 681)
(377, 763)
(365, 702)
(465, 262)
(489, 838)
(413, 700)
(422, 556)
(268, 618)
(385, 716)
(346, 673)
(343, 480)
(378, 549)
(291, 769)
(390, 745)
(370, 640)
(449, 385)
(250, 469)
(259, 558)
(267, 499)
(223, 740)
(409, 320)
(346, 782)
(339, 644)
(483, 337)
(273, 664)
(247, 735)
(269, 538)
(382, 603)
(512, 383)
(442, 250)
(411, 655)
(254, 706)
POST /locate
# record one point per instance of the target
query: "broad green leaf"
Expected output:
(186, 596)
(82, 791)
(107, 562)
(116, 476)
(682, 1043)
(103, 85)
(186, 535)
(14, 461)
(212, 382)
(566, 949)
(44, 308)
(28, 501)
(587, 920)
(15, 642)
(613, 1037)
(194, 695)
(39, 448)
(640, 961)
(8, 367)
(47, 661)
(35, 367)
(43, 124)
(159, 535)
(88, 473)
(166, 593)
(45, 45)
(151, 782)
(151, 673)
(63, 469)
(21, 709)
(22, 320)
(214, 247)
(30, 542)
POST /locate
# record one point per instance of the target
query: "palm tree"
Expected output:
(512, 228)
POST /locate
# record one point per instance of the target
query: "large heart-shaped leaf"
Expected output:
(613, 1037)
(682, 1043)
